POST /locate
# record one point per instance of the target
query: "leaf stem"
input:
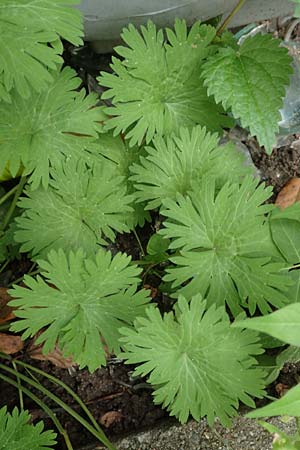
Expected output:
(19, 386)
(139, 242)
(298, 424)
(66, 388)
(8, 194)
(43, 406)
(230, 16)
(13, 203)
(98, 434)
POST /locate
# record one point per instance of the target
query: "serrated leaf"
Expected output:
(196, 363)
(251, 81)
(56, 123)
(288, 405)
(156, 87)
(115, 150)
(223, 244)
(16, 432)
(174, 164)
(282, 324)
(95, 295)
(27, 27)
(82, 207)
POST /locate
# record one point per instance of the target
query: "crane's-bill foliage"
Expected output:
(17, 433)
(224, 246)
(174, 164)
(82, 300)
(195, 361)
(156, 88)
(83, 207)
(30, 42)
(57, 123)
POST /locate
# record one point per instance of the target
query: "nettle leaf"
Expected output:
(27, 27)
(174, 164)
(115, 150)
(224, 246)
(92, 298)
(282, 324)
(81, 207)
(56, 123)
(251, 81)
(156, 88)
(16, 432)
(196, 362)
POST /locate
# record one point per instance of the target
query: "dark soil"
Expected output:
(120, 403)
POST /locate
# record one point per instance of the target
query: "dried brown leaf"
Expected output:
(10, 344)
(110, 417)
(6, 312)
(56, 357)
(289, 194)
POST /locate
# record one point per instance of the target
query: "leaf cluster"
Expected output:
(16, 432)
(93, 173)
(185, 78)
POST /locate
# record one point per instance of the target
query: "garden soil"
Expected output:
(122, 405)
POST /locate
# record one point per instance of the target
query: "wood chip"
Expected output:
(10, 344)
(289, 194)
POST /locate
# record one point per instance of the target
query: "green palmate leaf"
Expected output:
(92, 298)
(156, 87)
(251, 81)
(17, 434)
(115, 150)
(81, 207)
(196, 362)
(26, 28)
(57, 122)
(282, 324)
(176, 163)
(224, 246)
(288, 405)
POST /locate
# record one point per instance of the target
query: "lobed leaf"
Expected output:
(196, 362)
(174, 164)
(251, 80)
(88, 299)
(17, 433)
(82, 207)
(224, 246)
(115, 150)
(55, 124)
(27, 27)
(156, 87)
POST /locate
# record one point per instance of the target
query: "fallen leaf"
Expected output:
(55, 357)
(281, 389)
(289, 194)
(6, 312)
(10, 344)
(110, 418)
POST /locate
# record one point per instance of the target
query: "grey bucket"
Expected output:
(104, 19)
